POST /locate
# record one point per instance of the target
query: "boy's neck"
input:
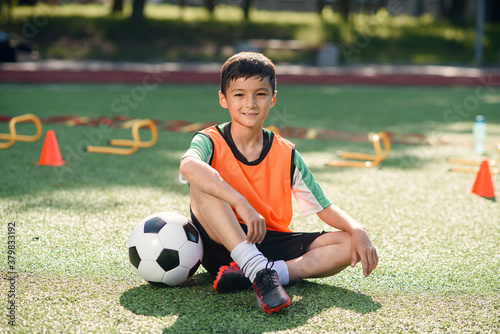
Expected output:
(249, 141)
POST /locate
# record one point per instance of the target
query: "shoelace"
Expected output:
(268, 281)
(269, 267)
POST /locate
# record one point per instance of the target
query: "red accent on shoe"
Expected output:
(230, 278)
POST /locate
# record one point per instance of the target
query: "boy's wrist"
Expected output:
(238, 201)
(356, 227)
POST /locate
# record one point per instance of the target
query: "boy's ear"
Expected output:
(222, 100)
(273, 99)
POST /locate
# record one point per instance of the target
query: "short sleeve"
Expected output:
(201, 148)
(306, 190)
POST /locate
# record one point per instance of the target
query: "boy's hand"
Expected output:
(363, 249)
(361, 246)
(255, 223)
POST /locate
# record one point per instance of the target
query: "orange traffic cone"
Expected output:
(50, 155)
(483, 185)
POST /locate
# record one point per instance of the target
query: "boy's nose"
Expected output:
(251, 102)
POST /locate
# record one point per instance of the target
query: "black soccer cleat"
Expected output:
(270, 294)
(230, 279)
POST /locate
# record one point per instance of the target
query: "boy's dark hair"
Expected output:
(247, 65)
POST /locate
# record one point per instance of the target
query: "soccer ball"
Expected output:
(165, 249)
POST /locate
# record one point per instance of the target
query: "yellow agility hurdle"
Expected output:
(132, 145)
(365, 160)
(12, 137)
(491, 163)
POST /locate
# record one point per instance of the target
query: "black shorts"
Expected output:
(275, 246)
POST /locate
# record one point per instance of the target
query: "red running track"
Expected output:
(158, 74)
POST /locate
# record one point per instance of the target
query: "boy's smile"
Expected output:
(248, 101)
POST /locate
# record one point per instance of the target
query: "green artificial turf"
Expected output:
(438, 244)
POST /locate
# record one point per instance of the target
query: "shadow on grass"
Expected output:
(197, 308)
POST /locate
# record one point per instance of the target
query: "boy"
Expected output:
(242, 178)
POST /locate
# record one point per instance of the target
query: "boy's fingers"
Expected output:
(250, 234)
(354, 257)
(256, 231)
(372, 260)
(375, 259)
(262, 235)
(260, 230)
(366, 264)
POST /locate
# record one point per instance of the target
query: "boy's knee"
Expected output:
(344, 242)
(201, 197)
(204, 204)
(333, 238)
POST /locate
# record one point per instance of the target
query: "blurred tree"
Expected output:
(418, 9)
(209, 5)
(138, 10)
(453, 10)
(5, 8)
(24, 3)
(246, 8)
(343, 6)
(182, 8)
(493, 11)
(457, 12)
(117, 6)
(383, 4)
(320, 4)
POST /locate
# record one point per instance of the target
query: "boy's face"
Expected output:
(248, 101)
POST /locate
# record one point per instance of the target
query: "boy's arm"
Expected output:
(361, 245)
(311, 199)
(208, 180)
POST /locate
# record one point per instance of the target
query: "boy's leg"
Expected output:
(217, 218)
(307, 255)
(220, 223)
(328, 255)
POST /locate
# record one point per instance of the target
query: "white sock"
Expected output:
(249, 259)
(282, 270)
